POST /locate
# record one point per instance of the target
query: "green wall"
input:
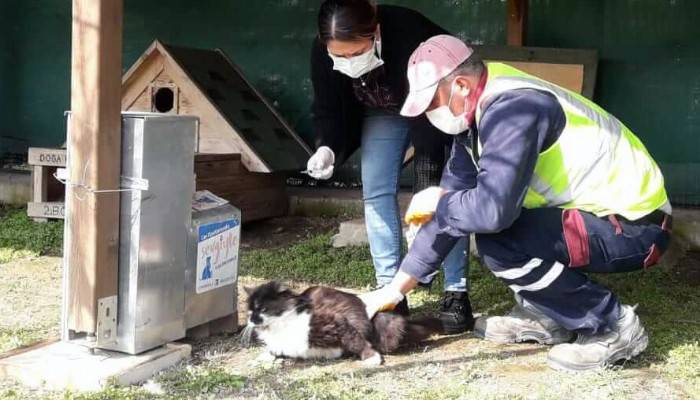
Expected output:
(649, 70)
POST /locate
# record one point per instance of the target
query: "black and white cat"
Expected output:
(325, 323)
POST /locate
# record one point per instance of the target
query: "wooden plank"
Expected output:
(216, 157)
(517, 22)
(214, 169)
(46, 210)
(40, 189)
(94, 145)
(240, 182)
(137, 90)
(39, 183)
(257, 195)
(27, 348)
(569, 76)
(588, 58)
(50, 157)
(259, 204)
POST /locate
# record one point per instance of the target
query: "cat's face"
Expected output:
(269, 301)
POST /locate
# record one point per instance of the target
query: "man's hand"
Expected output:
(411, 233)
(320, 165)
(383, 299)
(423, 205)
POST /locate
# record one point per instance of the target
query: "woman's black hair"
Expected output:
(346, 20)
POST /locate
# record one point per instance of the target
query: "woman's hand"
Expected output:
(320, 165)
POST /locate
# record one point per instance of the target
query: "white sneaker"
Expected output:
(523, 323)
(627, 340)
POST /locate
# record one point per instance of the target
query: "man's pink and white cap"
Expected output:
(433, 60)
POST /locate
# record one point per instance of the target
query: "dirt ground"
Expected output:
(30, 299)
(444, 367)
(460, 366)
(447, 366)
(688, 268)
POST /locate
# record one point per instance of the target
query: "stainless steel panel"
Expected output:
(216, 303)
(153, 231)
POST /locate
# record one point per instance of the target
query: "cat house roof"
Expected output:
(234, 116)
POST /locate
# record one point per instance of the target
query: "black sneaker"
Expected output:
(402, 307)
(456, 313)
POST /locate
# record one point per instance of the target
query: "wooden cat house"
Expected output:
(245, 146)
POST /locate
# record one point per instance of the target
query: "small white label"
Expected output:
(217, 254)
(62, 174)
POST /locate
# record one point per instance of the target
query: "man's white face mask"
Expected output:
(357, 66)
(443, 119)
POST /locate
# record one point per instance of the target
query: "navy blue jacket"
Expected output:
(515, 127)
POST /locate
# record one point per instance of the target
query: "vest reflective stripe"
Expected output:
(597, 164)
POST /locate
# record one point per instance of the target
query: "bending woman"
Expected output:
(358, 70)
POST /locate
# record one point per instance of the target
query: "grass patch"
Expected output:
(20, 236)
(115, 393)
(683, 365)
(313, 260)
(187, 383)
(193, 381)
(14, 338)
(668, 307)
(328, 386)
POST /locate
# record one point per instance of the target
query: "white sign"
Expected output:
(217, 254)
(46, 210)
(50, 157)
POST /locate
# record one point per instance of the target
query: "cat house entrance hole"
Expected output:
(163, 99)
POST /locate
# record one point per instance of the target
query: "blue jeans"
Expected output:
(385, 139)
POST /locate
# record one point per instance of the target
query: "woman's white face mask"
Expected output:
(357, 66)
(443, 119)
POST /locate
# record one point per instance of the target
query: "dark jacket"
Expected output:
(340, 102)
(515, 127)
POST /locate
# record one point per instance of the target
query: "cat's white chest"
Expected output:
(288, 335)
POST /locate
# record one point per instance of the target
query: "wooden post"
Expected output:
(94, 148)
(517, 22)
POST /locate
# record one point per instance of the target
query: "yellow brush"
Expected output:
(418, 218)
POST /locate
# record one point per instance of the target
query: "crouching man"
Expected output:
(562, 188)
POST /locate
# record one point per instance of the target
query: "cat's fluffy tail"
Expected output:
(392, 331)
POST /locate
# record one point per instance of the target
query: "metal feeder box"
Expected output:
(178, 268)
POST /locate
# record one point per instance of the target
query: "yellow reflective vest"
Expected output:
(597, 164)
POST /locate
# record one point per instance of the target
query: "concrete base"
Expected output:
(64, 365)
(15, 187)
(320, 202)
(686, 226)
(350, 233)
(354, 233)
